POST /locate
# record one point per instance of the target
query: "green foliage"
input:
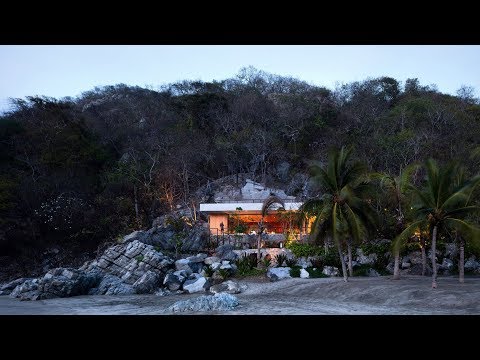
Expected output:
(372, 248)
(208, 271)
(295, 271)
(304, 249)
(251, 272)
(316, 272)
(139, 258)
(291, 262)
(280, 259)
(361, 270)
(318, 262)
(266, 262)
(245, 264)
(224, 273)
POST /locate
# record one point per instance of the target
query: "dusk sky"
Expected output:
(60, 71)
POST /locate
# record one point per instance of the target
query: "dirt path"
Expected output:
(410, 295)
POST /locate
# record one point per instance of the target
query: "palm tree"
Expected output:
(397, 189)
(442, 205)
(266, 206)
(341, 212)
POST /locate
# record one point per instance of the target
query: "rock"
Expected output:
(148, 283)
(303, 262)
(9, 287)
(66, 282)
(416, 269)
(196, 267)
(363, 259)
(215, 265)
(446, 265)
(372, 273)
(451, 251)
(230, 287)
(405, 265)
(390, 267)
(182, 273)
(226, 266)
(28, 290)
(112, 285)
(211, 260)
(194, 276)
(193, 286)
(330, 271)
(197, 259)
(225, 252)
(275, 274)
(163, 292)
(182, 264)
(471, 264)
(304, 274)
(218, 302)
(415, 257)
(136, 235)
(173, 282)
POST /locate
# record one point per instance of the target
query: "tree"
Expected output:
(266, 206)
(342, 212)
(442, 205)
(397, 190)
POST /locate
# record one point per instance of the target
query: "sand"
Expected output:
(382, 295)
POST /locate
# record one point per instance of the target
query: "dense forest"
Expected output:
(76, 172)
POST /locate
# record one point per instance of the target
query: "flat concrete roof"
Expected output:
(246, 207)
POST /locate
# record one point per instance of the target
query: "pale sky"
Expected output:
(69, 70)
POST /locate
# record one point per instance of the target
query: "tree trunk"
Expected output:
(259, 239)
(136, 203)
(342, 260)
(396, 267)
(350, 265)
(424, 259)
(434, 261)
(461, 263)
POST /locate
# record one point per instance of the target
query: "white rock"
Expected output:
(193, 286)
(225, 262)
(280, 273)
(215, 266)
(330, 271)
(226, 266)
(210, 260)
(182, 264)
(304, 274)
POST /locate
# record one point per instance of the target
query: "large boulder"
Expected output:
(131, 261)
(148, 283)
(225, 252)
(304, 274)
(59, 282)
(174, 281)
(217, 302)
(212, 260)
(112, 285)
(8, 287)
(230, 287)
(275, 274)
(28, 290)
(472, 264)
(195, 285)
(363, 259)
(330, 271)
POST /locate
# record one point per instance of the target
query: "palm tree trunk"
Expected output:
(342, 260)
(461, 263)
(434, 261)
(259, 237)
(396, 267)
(424, 260)
(350, 265)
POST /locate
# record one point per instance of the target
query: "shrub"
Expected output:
(332, 259)
(280, 259)
(295, 271)
(266, 262)
(361, 270)
(246, 263)
(304, 250)
(316, 272)
(139, 258)
(208, 271)
(317, 262)
(224, 273)
(291, 262)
